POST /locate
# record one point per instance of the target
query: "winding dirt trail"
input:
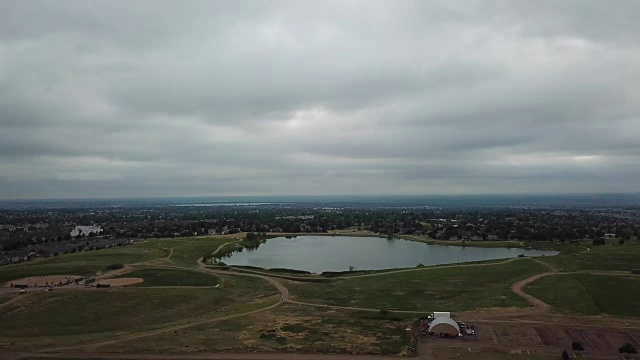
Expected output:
(539, 306)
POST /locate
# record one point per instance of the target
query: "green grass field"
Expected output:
(80, 312)
(452, 289)
(586, 294)
(187, 251)
(604, 257)
(171, 277)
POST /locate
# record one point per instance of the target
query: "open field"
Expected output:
(75, 317)
(454, 289)
(123, 281)
(172, 277)
(97, 311)
(288, 328)
(586, 294)
(187, 251)
(610, 257)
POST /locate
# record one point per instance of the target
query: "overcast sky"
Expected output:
(191, 98)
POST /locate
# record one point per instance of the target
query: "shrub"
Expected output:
(576, 346)
(115, 266)
(627, 348)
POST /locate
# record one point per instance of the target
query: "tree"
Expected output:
(565, 355)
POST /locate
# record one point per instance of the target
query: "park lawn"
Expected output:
(287, 328)
(609, 257)
(171, 277)
(80, 312)
(587, 294)
(426, 290)
(82, 263)
(125, 310)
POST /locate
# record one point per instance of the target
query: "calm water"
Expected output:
(326, 253)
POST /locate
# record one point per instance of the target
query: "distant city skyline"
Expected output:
(149, 99)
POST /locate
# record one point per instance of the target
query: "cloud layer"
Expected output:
(155, 98)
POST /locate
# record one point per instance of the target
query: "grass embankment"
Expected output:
(187, 251)
(609, 257)
(587, 294)
(171, 277)
(454, 289)
(287, 328)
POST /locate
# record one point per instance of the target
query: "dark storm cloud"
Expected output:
(155, 98)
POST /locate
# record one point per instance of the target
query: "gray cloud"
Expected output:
(151, 98)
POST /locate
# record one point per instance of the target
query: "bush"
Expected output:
(627, 348)
(576, 346)
(115, 266)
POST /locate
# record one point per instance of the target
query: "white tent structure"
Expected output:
(444, 325)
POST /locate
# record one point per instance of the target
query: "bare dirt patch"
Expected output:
(122, 281)
(42, 281)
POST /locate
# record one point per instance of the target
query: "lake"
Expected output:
(327, 253)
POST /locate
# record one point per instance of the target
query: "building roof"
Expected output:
(444, 320)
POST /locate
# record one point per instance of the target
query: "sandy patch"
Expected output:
(48, 280)
(121, 281)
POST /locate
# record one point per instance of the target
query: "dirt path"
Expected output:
(353, 308)
(170, 255)
(539, 306)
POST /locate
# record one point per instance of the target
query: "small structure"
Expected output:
(444, 325)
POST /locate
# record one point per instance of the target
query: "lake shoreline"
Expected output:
(338, 253)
